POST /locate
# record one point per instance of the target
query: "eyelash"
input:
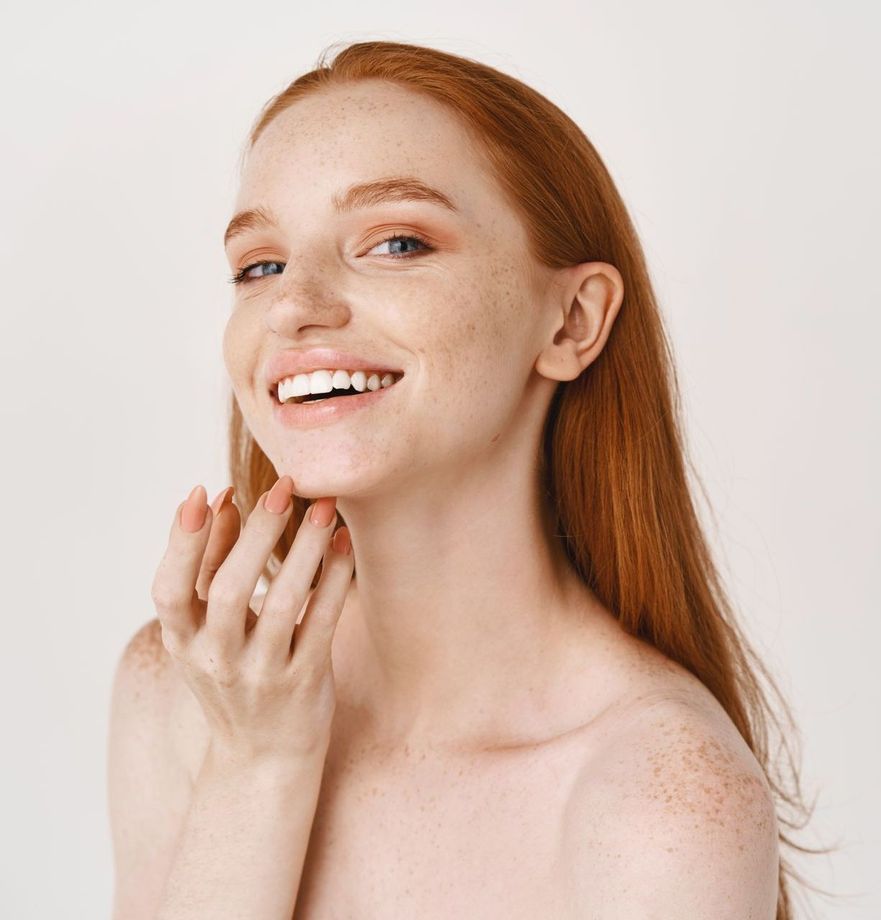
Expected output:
(240, 277)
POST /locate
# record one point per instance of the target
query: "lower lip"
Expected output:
(325, 411)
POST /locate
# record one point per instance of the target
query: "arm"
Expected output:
(244, 841)
(266, 692)
(149, 788)
(198, 850)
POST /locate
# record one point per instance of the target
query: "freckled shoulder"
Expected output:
(145, 652)
(674, 817)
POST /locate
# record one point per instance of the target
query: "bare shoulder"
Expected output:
(156, 682)
(673, 816)
(146, 662)
(147, 792)
(145, 658)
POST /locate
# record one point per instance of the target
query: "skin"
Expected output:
(483, 691)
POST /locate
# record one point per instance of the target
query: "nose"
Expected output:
(300, 303)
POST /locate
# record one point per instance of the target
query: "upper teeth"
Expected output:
(326, 380)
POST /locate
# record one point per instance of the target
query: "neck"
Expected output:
(464, 616)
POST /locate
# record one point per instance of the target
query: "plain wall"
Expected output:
(744, 138)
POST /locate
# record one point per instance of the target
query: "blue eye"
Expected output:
(400, 238)
(242, 277)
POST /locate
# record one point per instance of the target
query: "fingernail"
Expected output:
(223, 498)
(342, 542)
(323, 511)
(192, 515)
(279, 497)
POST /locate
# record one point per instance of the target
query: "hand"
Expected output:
(267, 690)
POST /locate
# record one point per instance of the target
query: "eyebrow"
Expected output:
(360, 195)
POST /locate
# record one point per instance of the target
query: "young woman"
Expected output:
(532, 701)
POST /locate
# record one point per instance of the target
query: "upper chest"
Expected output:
(433, 835)
(429, 834)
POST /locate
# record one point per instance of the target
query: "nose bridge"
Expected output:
(308, 290)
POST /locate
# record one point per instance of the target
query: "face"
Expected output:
(456, 312)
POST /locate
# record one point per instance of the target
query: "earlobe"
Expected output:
(591, 299)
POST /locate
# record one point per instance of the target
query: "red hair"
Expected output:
(614, 457)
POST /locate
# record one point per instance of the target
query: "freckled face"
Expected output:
(460, 319)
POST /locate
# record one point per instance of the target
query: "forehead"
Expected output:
(362, 131)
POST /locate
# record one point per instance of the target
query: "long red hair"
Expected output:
(614, 458)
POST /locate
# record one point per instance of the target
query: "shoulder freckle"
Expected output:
(677, 791)
(145, 650)
(694, 771)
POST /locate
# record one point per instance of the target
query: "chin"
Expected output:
(311, 482)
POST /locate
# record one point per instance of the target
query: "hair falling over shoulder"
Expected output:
(614, 461)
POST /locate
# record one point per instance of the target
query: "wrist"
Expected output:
(273, 767)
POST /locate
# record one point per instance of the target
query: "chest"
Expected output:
(434, 837)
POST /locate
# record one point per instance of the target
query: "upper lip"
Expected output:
(291, 361)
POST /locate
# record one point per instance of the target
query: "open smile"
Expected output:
(322, 408)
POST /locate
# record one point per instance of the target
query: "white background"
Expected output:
(744, 138)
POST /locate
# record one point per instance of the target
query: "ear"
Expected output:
(586, 299)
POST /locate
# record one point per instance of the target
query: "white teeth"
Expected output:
(323, 381)
(294, 386)
(320, 382)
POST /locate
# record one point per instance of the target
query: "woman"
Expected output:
(532, 700)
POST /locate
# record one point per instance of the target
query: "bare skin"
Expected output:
(553, 821)
(500, 747)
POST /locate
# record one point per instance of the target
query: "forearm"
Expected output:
(244, 841)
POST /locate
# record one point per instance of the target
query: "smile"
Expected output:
(328, 384)
(332, 396)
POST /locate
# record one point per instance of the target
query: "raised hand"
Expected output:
(264, 683)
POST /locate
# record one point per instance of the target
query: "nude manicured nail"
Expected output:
(279, 497)
(222, 498)
(323, 511)
(342, 542)
(192, 515)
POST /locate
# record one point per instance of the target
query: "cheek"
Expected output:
(240, 346)
(476, 346)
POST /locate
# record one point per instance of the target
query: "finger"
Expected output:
(233, 584)
(271, 637)
(174, 585)
(224, 532)
(314, 634)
